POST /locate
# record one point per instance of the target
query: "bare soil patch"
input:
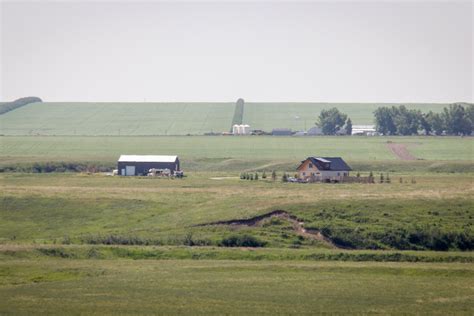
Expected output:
(298, 225)
(400, 151)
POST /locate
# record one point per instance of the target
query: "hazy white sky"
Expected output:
(390, 51)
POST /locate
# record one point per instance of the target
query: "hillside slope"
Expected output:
(101, 119)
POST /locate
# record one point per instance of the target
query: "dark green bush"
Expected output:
(241, 241)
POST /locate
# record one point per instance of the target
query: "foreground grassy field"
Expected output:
(75, 118)
(63, 286)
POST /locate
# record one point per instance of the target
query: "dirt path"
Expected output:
(400, 151)
(298, 225)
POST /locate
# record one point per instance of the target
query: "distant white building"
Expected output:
(368, 130)
(242, 129)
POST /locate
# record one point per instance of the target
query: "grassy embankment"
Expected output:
(434, 213)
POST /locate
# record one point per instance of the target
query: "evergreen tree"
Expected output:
(348, 127)
(274, 175)
(264, 175)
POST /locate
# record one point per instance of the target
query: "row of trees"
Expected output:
(10, 106)
(457, 119)
(333, 122)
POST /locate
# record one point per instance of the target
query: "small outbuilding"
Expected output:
(315, 131)
(282, 132)
(136, 165)
(323, 169)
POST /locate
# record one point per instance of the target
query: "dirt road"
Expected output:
(400, 151)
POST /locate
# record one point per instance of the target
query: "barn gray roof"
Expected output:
(335, 163)
(147, 158)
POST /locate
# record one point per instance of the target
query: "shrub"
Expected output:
(264, 175)
(241, 241)
(284, 178)
(274, 175)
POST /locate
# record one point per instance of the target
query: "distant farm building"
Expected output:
(300, 133)
(368, 130)
(315, 131)
(242, 129)
(135, 165)
(323, 169)
(282, 132)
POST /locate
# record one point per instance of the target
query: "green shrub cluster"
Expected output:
(414, 238)
(241, 241)
(48, 167)
(118, 240)
(249, 176)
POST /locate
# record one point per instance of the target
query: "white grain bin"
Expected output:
(235, 129)
(245, 129)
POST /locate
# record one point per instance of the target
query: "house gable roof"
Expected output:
(328, 163)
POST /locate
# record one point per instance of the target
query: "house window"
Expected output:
(338, 174)
(310, 166)
(304, 173)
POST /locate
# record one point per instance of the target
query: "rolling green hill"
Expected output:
(95, 119)
(117, 119)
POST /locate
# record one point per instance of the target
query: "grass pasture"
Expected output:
(248, 148)
(435, 213)
(106, 287)
(94, 119)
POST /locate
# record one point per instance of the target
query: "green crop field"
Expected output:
(117, 119)
(75, 118)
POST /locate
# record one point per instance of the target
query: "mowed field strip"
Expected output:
(76, 118)
(41, 148)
